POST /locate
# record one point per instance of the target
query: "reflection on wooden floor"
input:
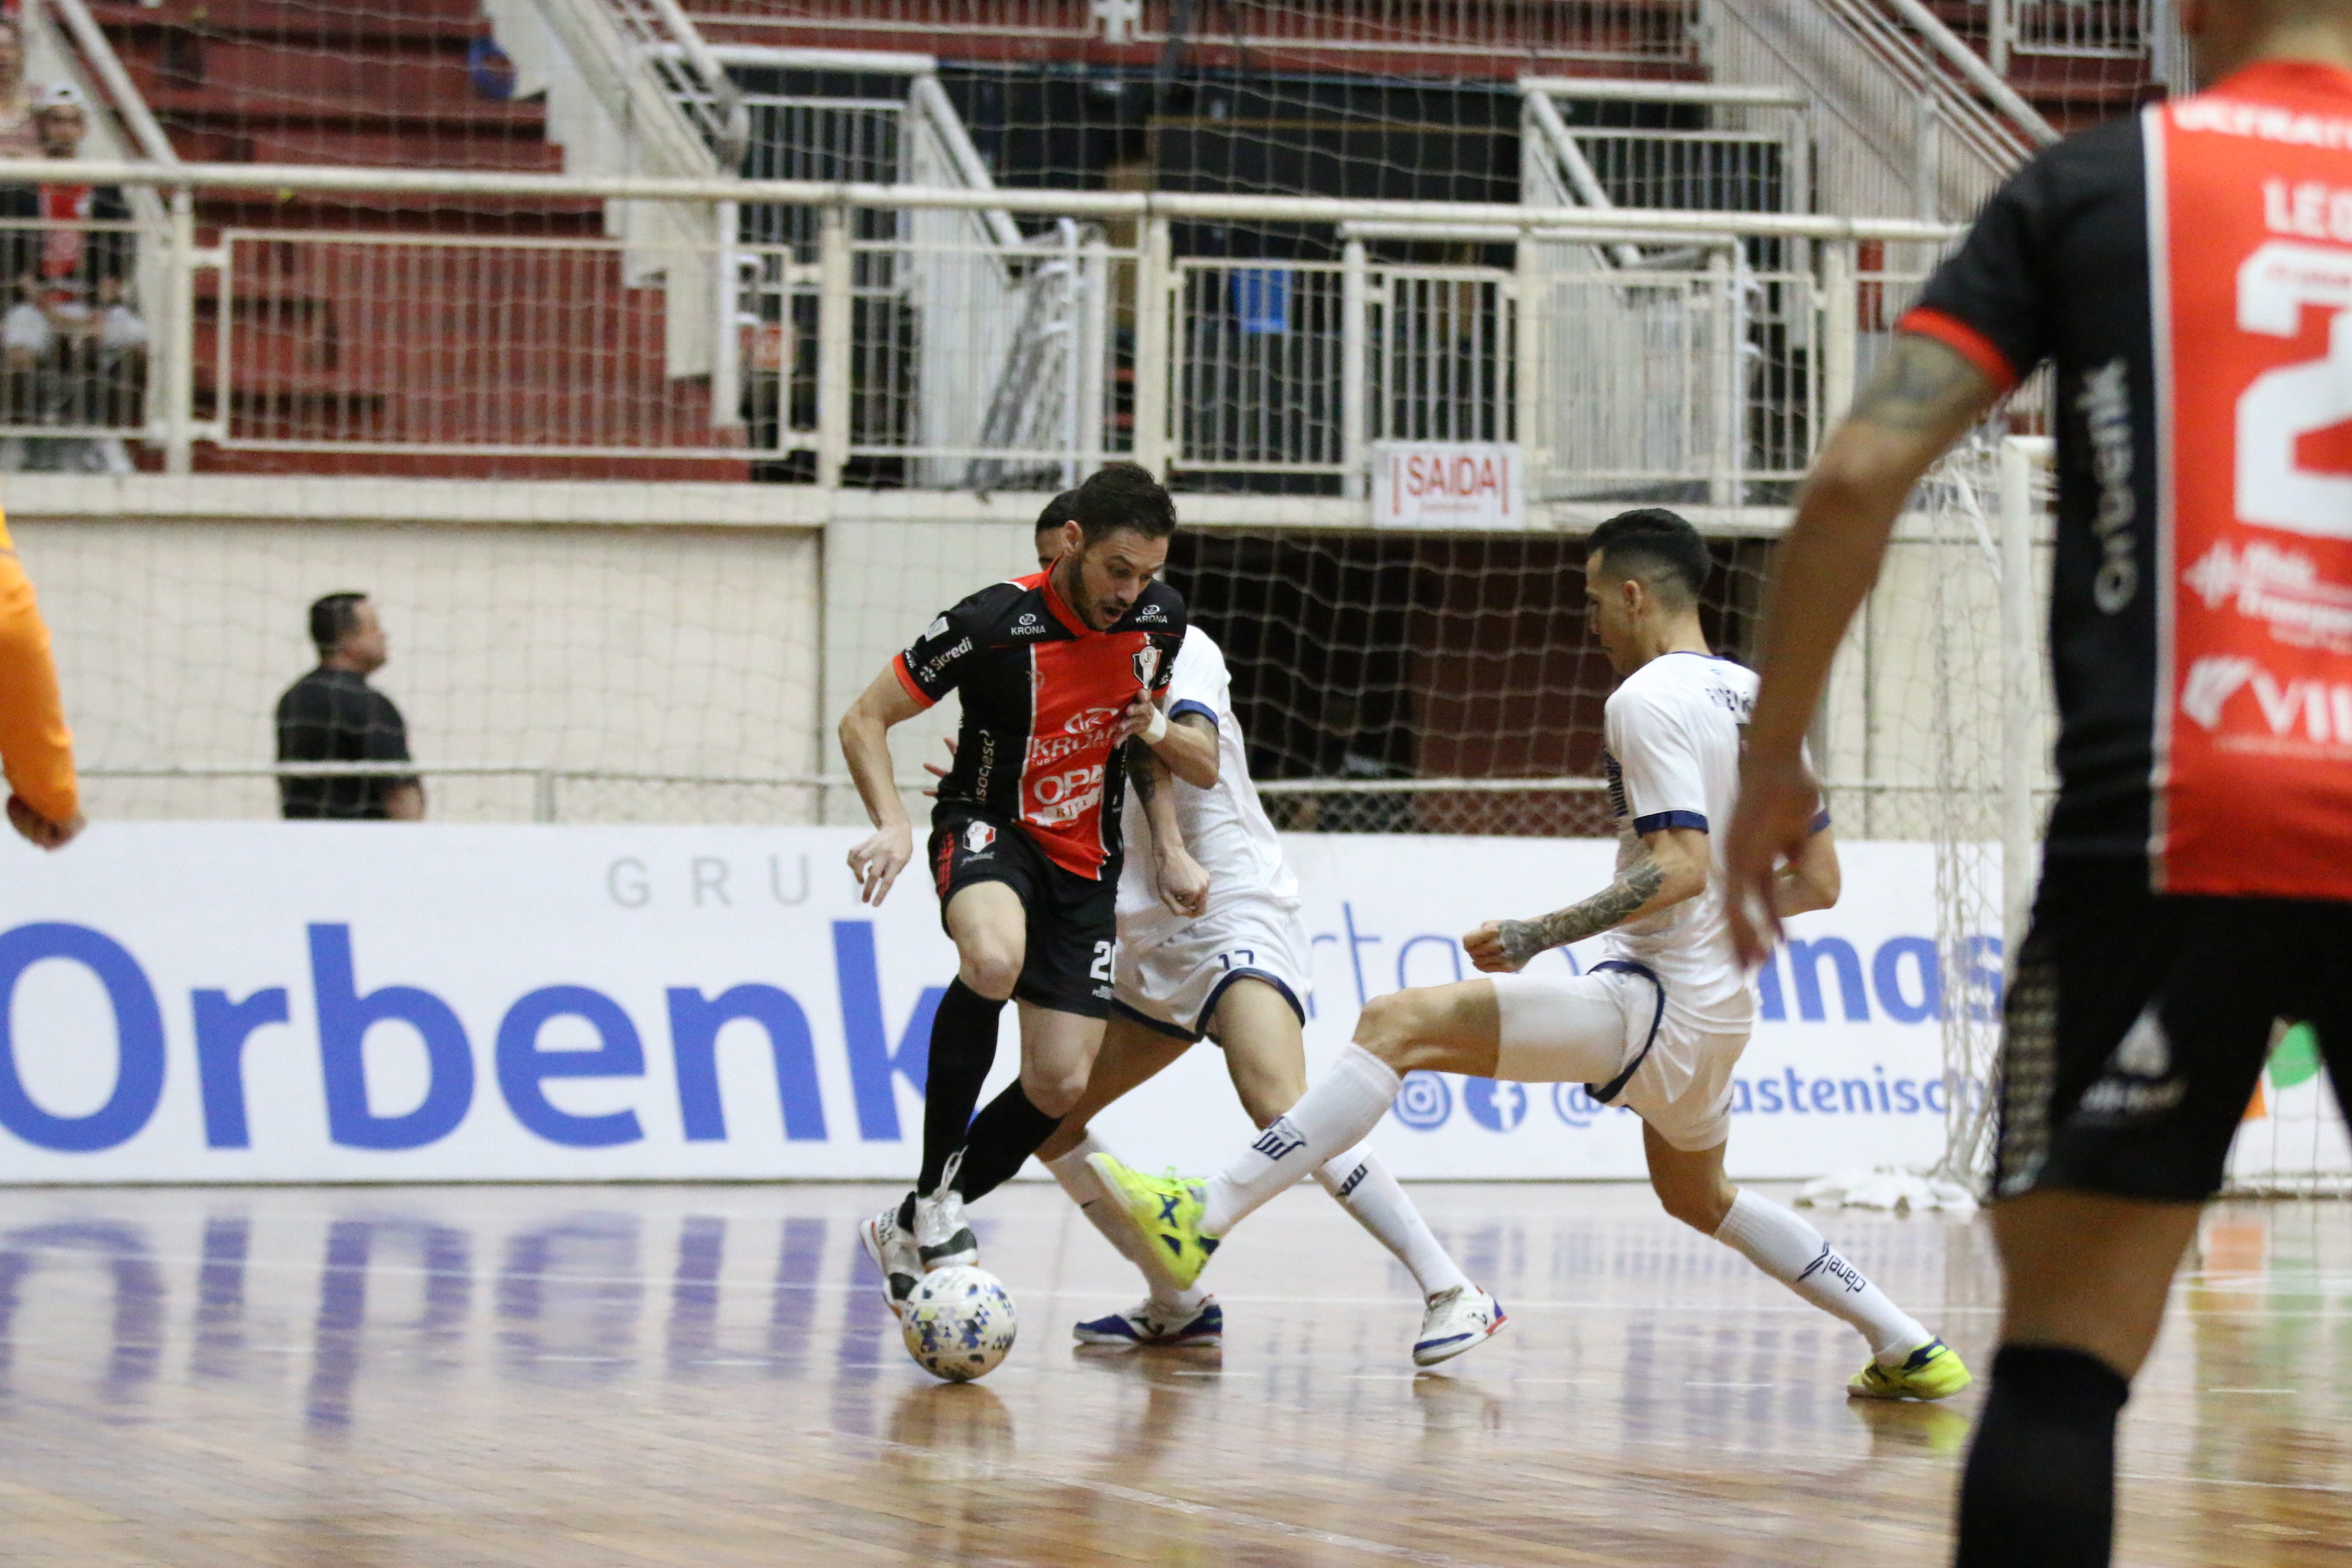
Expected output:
(705, 1376)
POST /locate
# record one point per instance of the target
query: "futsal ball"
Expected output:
(959, 1323)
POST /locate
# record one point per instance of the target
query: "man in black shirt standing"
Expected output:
(333, 715)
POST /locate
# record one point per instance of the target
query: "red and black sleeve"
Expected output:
(1986, 301)
(936, 661)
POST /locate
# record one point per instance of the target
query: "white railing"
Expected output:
(1906, 116)
(1700, 376)
(1361, 33)
(2073, 29)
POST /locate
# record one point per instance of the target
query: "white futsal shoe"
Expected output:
(941, 1238)
(1458, 1320)
(892, 1248)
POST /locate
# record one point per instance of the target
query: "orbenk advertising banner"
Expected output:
(322, 1001)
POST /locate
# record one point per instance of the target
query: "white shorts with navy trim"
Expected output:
(1174, 987)
(1611, 1029)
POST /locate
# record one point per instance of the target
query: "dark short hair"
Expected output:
(1062, 508)
(333, 617)
(1122, 496)
(1654, 546)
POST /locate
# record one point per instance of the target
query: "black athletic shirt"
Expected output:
(1043, 694)
(2184, 271)
(335, 716)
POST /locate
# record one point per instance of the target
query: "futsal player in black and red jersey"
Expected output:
(2188, 274)
(1058, 672)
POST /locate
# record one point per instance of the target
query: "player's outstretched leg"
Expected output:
(1265, 1052)
(1170, 1314)
(1447, 1028)
(1906, 1361)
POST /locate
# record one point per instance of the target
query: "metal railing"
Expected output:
(944, 354)
(2074, 29)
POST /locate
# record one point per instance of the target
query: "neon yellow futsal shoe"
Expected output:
(1165, 1211)
(1933, 1372)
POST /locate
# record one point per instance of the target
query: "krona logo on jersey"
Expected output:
(2321, 710)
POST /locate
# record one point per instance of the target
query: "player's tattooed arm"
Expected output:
(1670, 867)
(1923, 384)
(1183, 885)
(1520, 941)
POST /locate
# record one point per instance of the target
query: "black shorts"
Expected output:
(1073, 919)
(2136, 1026)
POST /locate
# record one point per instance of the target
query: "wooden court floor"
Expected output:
(704, 1376)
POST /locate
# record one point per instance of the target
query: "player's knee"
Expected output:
(1402, 1029)
(989, 968)
(1054, 1092)
(1701, 1205)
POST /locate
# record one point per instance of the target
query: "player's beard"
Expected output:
(1071, 584)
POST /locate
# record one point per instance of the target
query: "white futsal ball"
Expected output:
(959, 1323)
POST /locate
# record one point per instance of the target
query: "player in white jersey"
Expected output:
(1233, 967)
(1657, 1026)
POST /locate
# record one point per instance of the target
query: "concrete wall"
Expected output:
(619, 649)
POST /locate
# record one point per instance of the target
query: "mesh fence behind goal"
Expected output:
(1988, 752)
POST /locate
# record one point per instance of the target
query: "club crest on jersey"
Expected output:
(978, 838)
(1146, 664)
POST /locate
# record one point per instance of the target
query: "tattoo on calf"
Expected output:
(1523, 940)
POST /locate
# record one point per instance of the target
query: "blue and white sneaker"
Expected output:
(1458, 1320)
(1148, 1324)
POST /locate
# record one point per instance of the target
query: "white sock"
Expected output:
(1086, 1189)
(1365, 1190)
(1789, 1250)
(1335, 1114)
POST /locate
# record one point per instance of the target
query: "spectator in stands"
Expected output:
(333, 715)
(18, 138)
(71, 288)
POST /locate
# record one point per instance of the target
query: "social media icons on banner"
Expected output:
(1497, 1107)
(1425, 1102)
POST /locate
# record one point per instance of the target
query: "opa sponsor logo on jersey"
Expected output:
(2297, 710)
(1065, 796)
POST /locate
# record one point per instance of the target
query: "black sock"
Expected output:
(963, 1048)
(2040, 1492)
(1003, 1136)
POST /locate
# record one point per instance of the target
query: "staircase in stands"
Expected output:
(410, 83)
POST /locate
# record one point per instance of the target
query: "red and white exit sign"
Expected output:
(1448, 484)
